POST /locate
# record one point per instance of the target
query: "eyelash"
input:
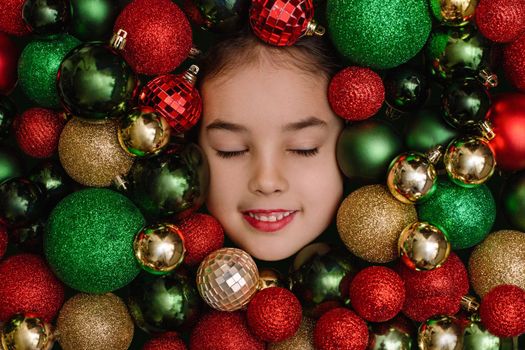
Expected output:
(302, 152)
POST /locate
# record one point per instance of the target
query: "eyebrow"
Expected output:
(295, 126)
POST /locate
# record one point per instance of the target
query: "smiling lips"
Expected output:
(269, 220)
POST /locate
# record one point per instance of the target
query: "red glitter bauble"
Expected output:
(514, 62)
(220, 330)
(38, 130)
(280, 22)
(203, 234)
(9, 54)
(3, 241)
(340, 329)
(169, 341)
(274, 314)
(28, 285)
(176, 98)
(159, 36)
(356, 93)
(507, 116)
(500, 20)
(502, 311)
(11, 20)
(420, 309)
(377, 293)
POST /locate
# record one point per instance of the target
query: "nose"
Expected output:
(267, 176)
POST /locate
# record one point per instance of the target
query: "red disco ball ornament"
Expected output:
(176, 98)
(502, 311)
(11, 20)
(340, 329)
(500, 20)
(9, 54)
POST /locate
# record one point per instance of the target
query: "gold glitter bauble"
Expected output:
(303, 338)
(227, 279)
(95, 322)
(370, 220)
(499, 259)
(26, 332)
(91, 154)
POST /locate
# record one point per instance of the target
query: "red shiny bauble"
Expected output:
(221, 330)
(377, 293)
(169, 341)
(28, 285)
(274, 314)
(37, 131)
(159, 36)
(176, 98)
(420, 309)
(9, 54)
(340, 329)
(500, 20)
(3, 240)
(502, 311)
(507, 116)
(11, 20)
(356, 93)
(280, 22)
(203, 234)
(514, 62)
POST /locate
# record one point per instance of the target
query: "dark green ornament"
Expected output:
(45, 17)
(426, 129)
(365, 150)
(465, 103)
(406, 89)
(52, 179)
(170, 184)
(38, 66)
(164, 303)
(21, 202)
(92, 20)
(513, 200)
(10, 165)
(219, 16)
(466, 215)
(94, 82)
(7, 115)
(29, 238)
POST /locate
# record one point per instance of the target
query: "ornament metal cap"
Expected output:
(488, 79)
(191, 74)
(314, 28)
(486, 130)
(434, 154)
(118, 40)
(469, 303)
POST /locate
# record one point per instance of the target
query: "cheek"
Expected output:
(225, 187)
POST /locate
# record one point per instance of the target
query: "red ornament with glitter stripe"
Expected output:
(176, 98)
(283, 22)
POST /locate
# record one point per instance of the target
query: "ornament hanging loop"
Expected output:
(434, 154)
(488, 79)
(118, 41)
(314, 28)
(469, 303)
(191, 74)
(486, 130)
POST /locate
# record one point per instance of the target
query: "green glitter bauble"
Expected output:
(89, 240)
(466, 215)
(378, 33)
(38, 66)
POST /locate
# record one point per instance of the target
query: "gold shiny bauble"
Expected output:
(159, 248)
(95, 322)
(302, 340)
(423, 246)
(499, 259)
(270, 278)
(394, 334)
(454, 12)
(370, 220)
(91, 154)
(469, 161)
(227, 279)
(143, 132)
(26, 332)
(440, 333)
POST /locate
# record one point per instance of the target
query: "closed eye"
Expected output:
(306, 152)
(224, 154)
(302, 152)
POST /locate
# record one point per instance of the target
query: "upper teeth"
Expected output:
(274, 217)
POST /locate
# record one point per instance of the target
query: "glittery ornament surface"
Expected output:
(420, 309)
(340, 329)
(514, 62)
(376, 33)
(95, 322)
(11, 20)
(501, 311)
(3, 240)
(465, 215)
(499, 259)
(165, 342)
(89, 240)
(38, 67)
(370, 221)
(91, 154)
(203, 234)
(500, 20)
(303, 339)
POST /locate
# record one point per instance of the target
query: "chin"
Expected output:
(269, 253)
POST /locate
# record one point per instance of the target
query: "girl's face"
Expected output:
(270, 138)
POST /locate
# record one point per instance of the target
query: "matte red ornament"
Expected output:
(3, 240)
(221, 330)
(356, 93)
(159, 36)
(203, 234)
(168, 341)
(514, 62)
(176, 98)
(340, 329)
(274, 314)
(502, 311)
(420, 309)
(507, 116)
(37, 131)
(11, 21)
(28, 285)
(377, 293)
(500, 20)
(9, 55)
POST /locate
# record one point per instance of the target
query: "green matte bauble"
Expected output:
(219, 16)
(21, 202)
(377, 33)
(365, 149)
(164, 303)
(7, 115)
(320, 278)
(89, 240)
(406, 89)
(465, 103)
(513, 200)
(94, 82)
(476, 337)
(453, 12)
(92, 20)
(426, 129)
(45, 17)
(25, 331)
(38, 66)
(466, 215)
(170, 184)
